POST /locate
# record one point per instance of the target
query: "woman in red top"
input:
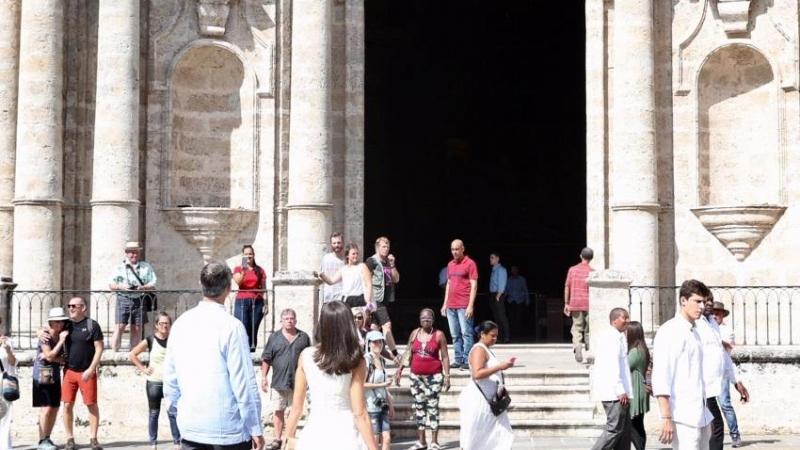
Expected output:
(249, 306)
(430, 373)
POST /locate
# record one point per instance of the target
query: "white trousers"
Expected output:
(687, 437)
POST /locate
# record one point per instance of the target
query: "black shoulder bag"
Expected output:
(10, 385)
(149, 299)
(501, 400)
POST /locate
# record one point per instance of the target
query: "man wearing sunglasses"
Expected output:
(84, 346)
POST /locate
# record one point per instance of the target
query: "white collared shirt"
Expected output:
(208, 372)
(678, 371)
(713, 356)
(611, 376)
(329, 266)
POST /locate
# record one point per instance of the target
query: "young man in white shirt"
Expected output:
(611, 382)
(331, 263)
(713, 370)
(678, 373)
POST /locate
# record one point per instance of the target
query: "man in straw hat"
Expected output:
(129, 279)
(720, 313)
(47, 374)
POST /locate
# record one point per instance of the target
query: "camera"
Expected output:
(133, 288)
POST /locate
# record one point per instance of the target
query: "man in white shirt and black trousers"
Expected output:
(611, 382)
(678, 373)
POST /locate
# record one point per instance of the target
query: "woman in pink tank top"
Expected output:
(430, 373)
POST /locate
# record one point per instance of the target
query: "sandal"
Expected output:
(434, 446)
(70, 445)
(418, 446)
(274, 445)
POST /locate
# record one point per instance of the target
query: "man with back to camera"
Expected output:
(678, 373)
(576, 302)
(611, 382)
(83, 347)
(384, 281)
(459, 302)
(210, 375)
(331, 263)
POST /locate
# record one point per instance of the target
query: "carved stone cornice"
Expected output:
(212, 16)
(209, 229)
(735, 16)
(739, 228)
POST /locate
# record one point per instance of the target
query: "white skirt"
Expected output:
(480, 429)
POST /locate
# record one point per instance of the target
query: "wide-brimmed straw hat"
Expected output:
(132, 245)
(56, 314)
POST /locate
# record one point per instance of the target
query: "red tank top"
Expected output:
(425, 359)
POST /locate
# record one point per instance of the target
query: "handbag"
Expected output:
(149, 299)
(10, 385)
(500, 402)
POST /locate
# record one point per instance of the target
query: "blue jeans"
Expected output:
(461, 329)
(727, 410)
(250, 312)
(155, 392)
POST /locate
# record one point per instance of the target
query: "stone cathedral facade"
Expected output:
(196, 126)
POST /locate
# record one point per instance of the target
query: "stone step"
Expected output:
(550, 377)
(518, 411)
(519, 393)
(449, 429)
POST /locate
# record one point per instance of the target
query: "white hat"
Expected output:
(56, 314)
(132, 245)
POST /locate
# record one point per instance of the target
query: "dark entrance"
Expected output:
(475, 128)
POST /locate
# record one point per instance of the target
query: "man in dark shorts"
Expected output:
(384, 279)
(47, 374)
(281, 354)
(84, 345)
(129, 279)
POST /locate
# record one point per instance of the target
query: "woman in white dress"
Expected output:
(333, 372)
(9, 361)
(480, 428)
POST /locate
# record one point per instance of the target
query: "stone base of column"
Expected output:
(300, 292)
(608, 289)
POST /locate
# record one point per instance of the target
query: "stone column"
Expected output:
(310, 172)
(115, 166)
(40, 127)
(9, 68)
(608, 289)
(634, 188)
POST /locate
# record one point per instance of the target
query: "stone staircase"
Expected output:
(550, 396)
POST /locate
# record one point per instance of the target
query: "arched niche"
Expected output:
(211, 122)
(738, 129)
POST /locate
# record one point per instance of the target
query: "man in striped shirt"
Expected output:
(576, 301)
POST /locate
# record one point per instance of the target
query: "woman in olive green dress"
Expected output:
(638, 360)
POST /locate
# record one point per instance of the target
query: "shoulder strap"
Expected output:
(2, 368)
(149, 340)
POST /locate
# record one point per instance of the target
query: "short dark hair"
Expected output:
(616, 313)
(336, 234)
(486, 326)
(496, 254)
(587, 254)
(215, 278)
(339, 351)
(693, 286)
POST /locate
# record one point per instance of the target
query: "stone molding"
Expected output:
(123, 203)
(739, 228)
(38, 202)
(610, 278)
(294, 278)
(735, 16)
(646, 206)
(209, 229)
(212, 17)
(309, 206)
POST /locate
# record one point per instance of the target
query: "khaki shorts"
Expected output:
(281, 399)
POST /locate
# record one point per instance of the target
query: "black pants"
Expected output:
(638, 433)
(717, 425)
(499, 313)
(617, 433)
(189, 445)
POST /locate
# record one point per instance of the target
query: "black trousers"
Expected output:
(638, 433)
(189, 445)
(717, 425)
(499, 313)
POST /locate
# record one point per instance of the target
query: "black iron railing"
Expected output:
(759, 315)
(29, 311)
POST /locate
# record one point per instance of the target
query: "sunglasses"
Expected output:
(163, 323)
(74, 306)
(358, 317)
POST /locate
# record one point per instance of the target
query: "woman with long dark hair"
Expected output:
(249, 305)
(335, 370)
(638, 360)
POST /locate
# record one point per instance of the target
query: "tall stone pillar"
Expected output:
(40, 126)
(309, 205)
(9, 68)
(115, 169)
(634, 188)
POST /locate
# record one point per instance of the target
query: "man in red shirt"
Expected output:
(576, 301)
(459, 301)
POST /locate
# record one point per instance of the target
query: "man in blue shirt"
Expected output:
(208, 372)
(497, 296)
(518, 301)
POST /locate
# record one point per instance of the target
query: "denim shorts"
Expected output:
(129, 310)
(380, 421)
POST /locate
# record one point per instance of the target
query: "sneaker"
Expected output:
(737, 443)
(418, 446)
(95, 445)
(455, 365)
(70, 445)
(464, 367)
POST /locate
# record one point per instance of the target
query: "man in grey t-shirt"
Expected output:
(281, 354)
